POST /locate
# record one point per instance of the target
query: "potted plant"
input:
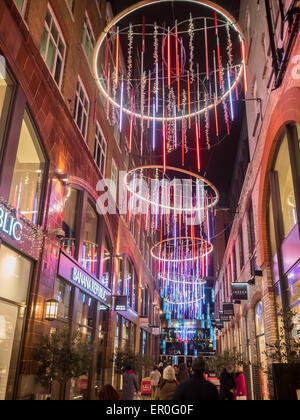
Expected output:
(60, 357)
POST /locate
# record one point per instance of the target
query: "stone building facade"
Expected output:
(263, 249)
(56, 144)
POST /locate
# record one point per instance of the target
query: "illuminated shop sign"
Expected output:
(239, 291)
(228, 309)
(9, 225)
(121, 303)
(88, 284)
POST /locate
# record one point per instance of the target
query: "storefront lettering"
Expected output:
(10, 226)
(89, 284)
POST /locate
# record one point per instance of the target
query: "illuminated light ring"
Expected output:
(145, 3)
(172, 208)
(196, 283)
(184, 259)
(170, 278)
(190, 302)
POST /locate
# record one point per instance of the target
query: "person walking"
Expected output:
(183, 373)
(155, 376)
(240, 385)
(161, 368)
(167, 386)
(129, 384)
(227, 384)
(197, 388)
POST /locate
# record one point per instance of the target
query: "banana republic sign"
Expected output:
(70, 271)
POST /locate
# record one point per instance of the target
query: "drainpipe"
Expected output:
(272, 38)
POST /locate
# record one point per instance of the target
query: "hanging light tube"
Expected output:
(206, 49)
(117, 57)
(131, 119)
(121, 104)
(230, 93)
(244, 64)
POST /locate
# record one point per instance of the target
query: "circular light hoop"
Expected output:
(200, 281)
(180, 170)
(179, 260)
(190, 302)
(188, 283)
(145, 3)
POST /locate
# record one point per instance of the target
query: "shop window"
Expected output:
(261, 348)
(6, 92)
(272, 240)
(15, 272)
(62, 293)
(294, 286)
(26, 187)
(287, 194)
(81, 109)
(14, 275)
(88, 40)
(90, 246)
(53, 47)
(70, 220)
(259, 319)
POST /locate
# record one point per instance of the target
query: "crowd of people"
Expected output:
(177, 384)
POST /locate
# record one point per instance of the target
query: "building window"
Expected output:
(26, 188)
(100, 149)
(21, 5)
(70, 4)
(90, 246)
(6, 93)
(241, 249)
(114, 179)
(286, 188)
(282, 216)
(70, 221)
(81, 109)
(53, 47)
(88, 40)
(107, 263)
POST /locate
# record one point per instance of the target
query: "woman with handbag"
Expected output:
(240, 388)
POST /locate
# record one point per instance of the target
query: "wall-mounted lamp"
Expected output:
(51, 310)
(251, 282)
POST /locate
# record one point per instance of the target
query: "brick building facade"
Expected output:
(264, 245)
(56, 144)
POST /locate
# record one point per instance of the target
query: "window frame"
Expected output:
(87, 27)
(102, 152)
(75, 113)
(57, 52)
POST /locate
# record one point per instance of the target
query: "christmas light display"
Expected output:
(171, 66)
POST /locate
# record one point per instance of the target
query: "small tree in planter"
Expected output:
(61, 357)
(287, 347)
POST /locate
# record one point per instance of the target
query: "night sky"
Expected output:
(218, 163)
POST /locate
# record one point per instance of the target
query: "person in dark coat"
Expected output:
(197, 388)
(183, 373)
(227, 384)
(129, 384)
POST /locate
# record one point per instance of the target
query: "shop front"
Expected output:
(20, 244)
(84, 304)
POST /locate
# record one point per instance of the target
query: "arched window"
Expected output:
(283, 220)
(28, 175)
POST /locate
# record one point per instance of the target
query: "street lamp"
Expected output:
(51, 310)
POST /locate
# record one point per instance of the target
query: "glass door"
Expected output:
(8, 327)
